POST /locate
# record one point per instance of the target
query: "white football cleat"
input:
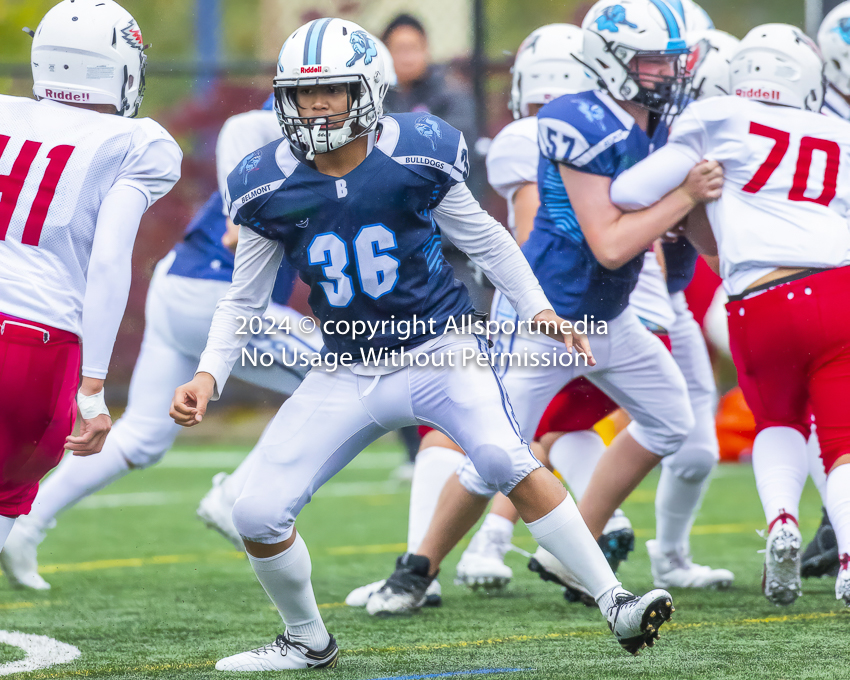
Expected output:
(281, 655)
(549, 568)
(360, 596)
(405, 590)
(842, 581)
(635, 620)
(216, 511)
(483, 562)
(677, 570)
(19, 558)
(781, 582)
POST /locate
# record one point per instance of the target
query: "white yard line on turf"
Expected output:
(41, 652)
(228, 460)
(143, 498)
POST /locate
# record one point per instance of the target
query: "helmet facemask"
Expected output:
(323, 133)
(663, 95)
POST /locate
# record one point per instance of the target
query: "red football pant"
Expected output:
(39, 375)
(791, 345)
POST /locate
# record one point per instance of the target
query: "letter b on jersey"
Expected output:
(341, 189)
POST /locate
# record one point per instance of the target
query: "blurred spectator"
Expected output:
(423, 86)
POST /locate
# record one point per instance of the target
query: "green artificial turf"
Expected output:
(145, 591)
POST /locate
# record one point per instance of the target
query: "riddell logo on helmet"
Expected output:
(758, 93)
(311, 69)
(66, 96)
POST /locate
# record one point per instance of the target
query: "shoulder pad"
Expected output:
(259, 173)
(427, 145)
(575, 128)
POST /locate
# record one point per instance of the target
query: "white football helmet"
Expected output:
(695, 17)
(616, 32)
(779, 64)
(545, 68)
(89, 51)
(330, 52)
(389, 65)
(711, 53)
(834, 42)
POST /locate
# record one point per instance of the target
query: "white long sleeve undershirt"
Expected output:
(109, 275)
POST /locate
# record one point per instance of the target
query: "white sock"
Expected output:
(838, 505)
(575, 455)
(6, 524)
(286, 580)
(431, 471)
(499, 525)
(606, 600)
(564, 534)
(816, 471)
(780, 467)
(676, 503)
(74, 479)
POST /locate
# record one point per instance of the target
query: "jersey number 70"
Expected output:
(12, 184)
(808, 145)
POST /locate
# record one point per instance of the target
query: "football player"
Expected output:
(781, 233)
(351, 198)
(76, 176)
(588, 255)
(185, 288)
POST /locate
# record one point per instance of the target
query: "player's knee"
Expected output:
(502, 468)
(141, 447)
(472, 481)
(694, 463)
(259, 519)
(665, 437)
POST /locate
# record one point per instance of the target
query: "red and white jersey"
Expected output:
(786, 197)
(57, 163)
(512, 161)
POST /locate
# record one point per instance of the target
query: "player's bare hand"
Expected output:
(562, 330)
(190, 400)
(704, 182)
(92, 436)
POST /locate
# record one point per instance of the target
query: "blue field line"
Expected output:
(453, 674)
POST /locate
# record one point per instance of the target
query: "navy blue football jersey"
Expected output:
(202, 255)
(588, 132)
(366, 244)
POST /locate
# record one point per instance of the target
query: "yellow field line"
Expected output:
(600, 631)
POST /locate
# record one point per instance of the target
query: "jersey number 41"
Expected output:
(12, 184)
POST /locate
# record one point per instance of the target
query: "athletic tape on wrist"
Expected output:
(92, 406)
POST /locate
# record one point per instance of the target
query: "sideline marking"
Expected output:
(452, 674)
(462, 643)
(41, 652)
(156, 498)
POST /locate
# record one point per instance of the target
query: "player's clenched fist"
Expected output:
(190, 400)
(704, 182)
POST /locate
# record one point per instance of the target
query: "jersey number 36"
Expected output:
(377, 270)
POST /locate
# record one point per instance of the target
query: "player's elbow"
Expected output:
(610, 255)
